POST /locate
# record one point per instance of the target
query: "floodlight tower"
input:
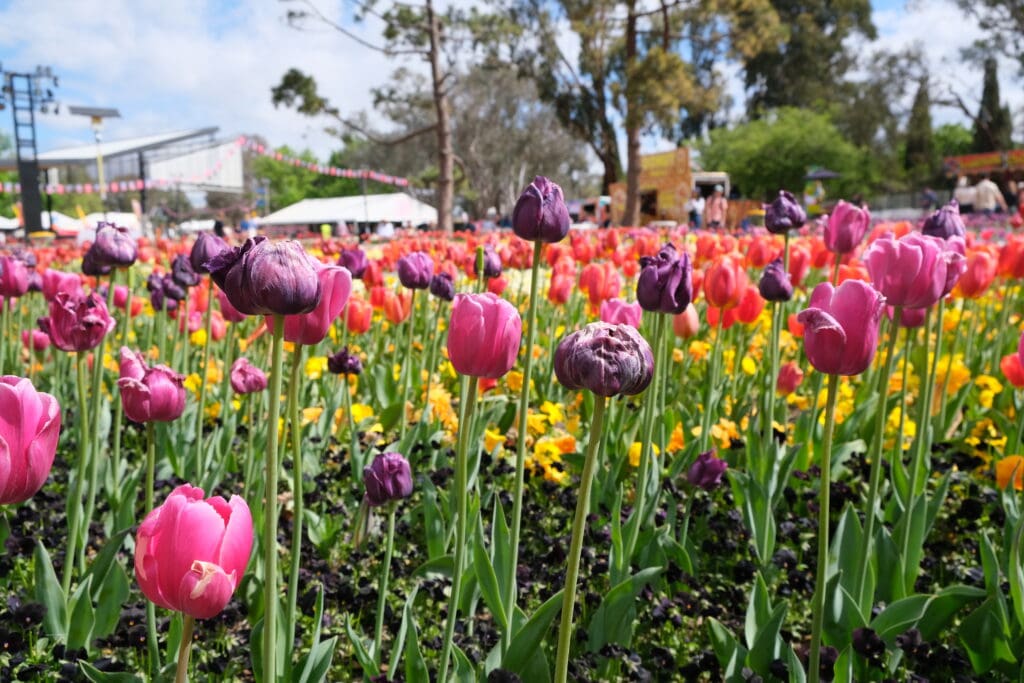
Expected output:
(96, 115)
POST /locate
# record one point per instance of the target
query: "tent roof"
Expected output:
(374, 208)
(114, 148)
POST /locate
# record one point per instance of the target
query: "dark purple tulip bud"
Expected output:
(606, 359)
(775, 284)
(492, 263)
(388, 478)
(246, 378)
(665, 284)
(206, 246)
(540, 213)
(172, 290)
(442, 286)
(784, 214)
(344, 363)
(415, 270)
(706, 471)
(945, 223)
(114, 246)
(182, 273)
(267, 278)
(92, 267)
(355, 261)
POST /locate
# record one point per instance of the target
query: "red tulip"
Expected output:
(725, 283)
(1013, 369)
(790, 377)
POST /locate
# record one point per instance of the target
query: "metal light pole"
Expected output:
(96, 115)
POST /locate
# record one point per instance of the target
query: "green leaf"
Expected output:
(49, 593)
(433, 524)
(486, 577)
(398, 644)
(1016, 575)
(501, 549)
(465, 672)
(439, 566)
(758, 610)
(370, 668)
(842, 614)
(97, 676)
(943, 606)
(82, 617)
(729, 652)
(415, 667)
(308, 663)
(767, 644)
(113, 593)
(899, 616)
(613, 620)
(318, 661)
(985, 634)
(528, 638)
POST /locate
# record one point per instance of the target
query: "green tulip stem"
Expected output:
(203, 374)
(182, 321)
(75, 500)
(835, 270)
(565, 630)
(151, 635)
(940, 426)
(524, 409)
(712, 379)
(407, 366)
(875, 456)
(295, 432)
(115, 462)
(461, 496)
(382, 588)
(250, 430)
(825, 463)
(778, 320)
(435, 338)
(270, 589)
(5, 331)
(184, 649)
(354, 456)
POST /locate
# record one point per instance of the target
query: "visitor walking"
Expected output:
(716, 208)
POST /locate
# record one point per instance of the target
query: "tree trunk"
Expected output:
(445, 156)
(631, 216)
(606, 145)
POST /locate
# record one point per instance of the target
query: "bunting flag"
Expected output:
(263, 150)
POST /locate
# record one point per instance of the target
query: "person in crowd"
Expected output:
(695, 208)
(965, 194)
(715, 209)
(988, 197)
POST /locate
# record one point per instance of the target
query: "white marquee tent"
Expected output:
(397, 208)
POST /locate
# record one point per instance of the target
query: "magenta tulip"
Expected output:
(912, 271)
(35, 340)
(246, 378)
(190, 553)
(77, 322)
(846, 227)
(483, 335)
(619, 312)
(841, 327)
(29, 429)
(149, 394)
(230, 313)
(1020, 349)
(13, 277)
(311, 328)
(59, 281)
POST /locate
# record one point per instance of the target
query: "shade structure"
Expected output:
(397, 207)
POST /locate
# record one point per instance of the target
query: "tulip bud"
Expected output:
(77, 322)
(442, 286)
(28, 438)
(206, 247)
(344, 363)
(665, 284)
(415, 270)
(35, 340)
(114, 246)
(182, 272)
(846, 227)
(841, 327)
(945, 223)
(92, 267)
(157, 395)
(687, 323)
(784, 214)
(540, 213)
(492, 263)
(775, 284)
(725, 282)
(606, 359)
(388, 478)
(789, 379)
(484, 333)
(190, 553)
(360, 315)
(706, 471)
(267, 278)
(13, 278)
(246, 378)
(619, 312)
(355, 260)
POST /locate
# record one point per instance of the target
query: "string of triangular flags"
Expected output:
(13, 187)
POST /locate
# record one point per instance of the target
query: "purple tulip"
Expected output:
(388, 478)
(846, 227)
(29, 432)
(91, 266)
(205, 248)
(540, 213)
(149, 394)
(246, 378)
(266, 278)
(775, 284)
(77, 322)
(415, 270)
(114, 247)
(665, 284)
(784, 214)
(841, 327)
(344, 363)
(442, 286)
(13, 278)
(706, 471)
(182, 272)
(355, 260)
(492, 263)
(945, 223)
(606, 359)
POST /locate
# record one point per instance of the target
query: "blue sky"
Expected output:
(184, 63)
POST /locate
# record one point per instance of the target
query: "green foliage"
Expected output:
(951, 139)
(993, 124)
(919, 154)
(289, 184)
(774, 152)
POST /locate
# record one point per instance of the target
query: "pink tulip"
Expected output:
(190, 553)
(841, 327)
(910, 318)
(58, 281)
(687, 323)
(483, 335)
(13, 277)
(29, 429)
(846, 227)
(246, 378)
(311, 328)
(912, 271)
(619, 312)
(35, 340)
(1020, 348)
(77, 322)
(149, 394)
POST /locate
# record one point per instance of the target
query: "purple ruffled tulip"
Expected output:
(492, 263)
(206, 247)
(914, 271)
(267, 278)
(91, 266)
(77, 322)
(442, 286)
(114, 246)
(606, 359)
(149, 394)
(945, 223)
(344, 363)
(540, 213)
(13, 278)
(665, 284)
(784, 214)
(182, 272)
(246, 378)
(706, 471)
(388, 478)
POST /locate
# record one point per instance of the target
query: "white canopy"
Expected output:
(7, 224)
(397, 208)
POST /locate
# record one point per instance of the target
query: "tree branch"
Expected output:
(324, 19)
(372, 137)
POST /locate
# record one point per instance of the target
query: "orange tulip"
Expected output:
(725, 283)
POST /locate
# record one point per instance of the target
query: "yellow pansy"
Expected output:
(192, 383)
(748, 366)
(514, 381)
(635, 451)
(988, 388)
(553, 411)
(316, 366)
(678, 355)
(493, 438)
(892, 428)
(198, 338)
(537, 423)
(311, 415)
